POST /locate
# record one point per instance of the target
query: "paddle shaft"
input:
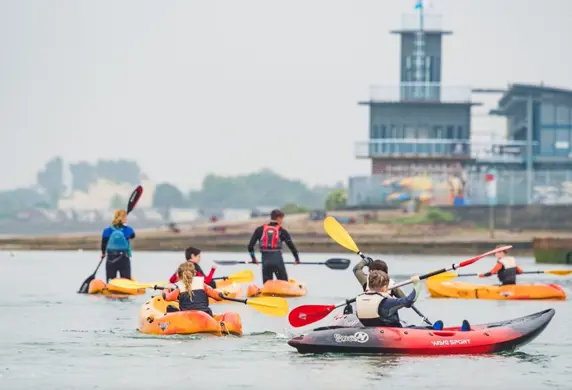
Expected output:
(524, 272)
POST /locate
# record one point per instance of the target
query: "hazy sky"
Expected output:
(230, 86)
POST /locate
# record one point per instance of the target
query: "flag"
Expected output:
(419, 4)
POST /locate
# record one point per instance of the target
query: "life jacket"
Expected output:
(367, 310)
(507, 274)
(117, 241)
(270, 239)
(199, 299)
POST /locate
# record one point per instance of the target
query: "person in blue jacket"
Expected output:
(116, 246)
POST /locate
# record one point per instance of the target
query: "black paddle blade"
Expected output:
(229, 262)
(134, 198)
(85, 285)
(338, 263)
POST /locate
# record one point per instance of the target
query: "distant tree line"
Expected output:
(263, 188)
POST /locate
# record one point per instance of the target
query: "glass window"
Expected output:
(547, 114)
(561, 139)
(460, 133)
(546, 141)
(423, 132)
(562, 115)
(438, 132)
(383, 131)
(410, 132)
(375, 132)
(450, 132)
(393, 131)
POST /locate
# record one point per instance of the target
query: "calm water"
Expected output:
(53, 338)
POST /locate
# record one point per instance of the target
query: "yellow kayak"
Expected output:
(451, 289)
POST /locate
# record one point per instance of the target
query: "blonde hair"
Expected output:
(186, 272)
(377, 279)
(118, 216)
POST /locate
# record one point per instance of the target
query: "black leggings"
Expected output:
(117, 262)
(273, 264)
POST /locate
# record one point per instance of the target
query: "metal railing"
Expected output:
(420, 92)
(491, 151)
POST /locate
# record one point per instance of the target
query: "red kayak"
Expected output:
(347, 337)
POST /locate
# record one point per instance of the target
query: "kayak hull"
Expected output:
(154, 319)
(481, 339)
(232, 290)
(277, 288)
(454, 289)
(99, 287)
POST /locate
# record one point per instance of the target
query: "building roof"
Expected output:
(537, 91)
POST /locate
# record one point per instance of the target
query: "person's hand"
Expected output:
(214, 266)
(102, 256)
(368, 260)
(296, 262)
(221, 295)
(254, 261)
(481, 275)
(415, 278)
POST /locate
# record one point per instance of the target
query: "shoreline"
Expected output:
(304, 243)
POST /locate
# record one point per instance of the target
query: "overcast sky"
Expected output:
(191, 87)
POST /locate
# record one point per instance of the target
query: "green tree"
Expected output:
(168, 196)
(14, 201)
(51, 180)
(338, 199)
(291, 208)
(117, 202)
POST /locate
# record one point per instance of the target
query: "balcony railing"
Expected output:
(423, 92)
(491, 151)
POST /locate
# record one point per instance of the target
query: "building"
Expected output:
(422, 127)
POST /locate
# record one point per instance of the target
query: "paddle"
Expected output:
(308, 314)
(338, 264)
(130, 284)
(245, 276)
(340, 235)
(272, 306)
(131, 203)
(450, 275)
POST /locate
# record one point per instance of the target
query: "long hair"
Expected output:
(186, 272)
(118, 216)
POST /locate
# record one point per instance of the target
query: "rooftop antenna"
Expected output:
(419, 54)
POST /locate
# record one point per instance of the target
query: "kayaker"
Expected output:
(270, 237)
(116, 246)
(506, 268)
(193, 255)
(191, 291)
(376, 307)
(374, 265)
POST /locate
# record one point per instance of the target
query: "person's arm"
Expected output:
(255, 237)
(391, 305)
(518, 270)
(396, 292)
(174, 278)
(285, 237)
(359, 274)
(104, 240)
(209, 277)
(130, 233)
(212, 293)
(494, 271)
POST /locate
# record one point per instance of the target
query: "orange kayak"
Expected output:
(452, 289)
(230, 290)
(154, 319)
(277, 288)
(99, 287)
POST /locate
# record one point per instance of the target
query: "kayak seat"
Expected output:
(465, 327)
(438, 325)
(172, 309)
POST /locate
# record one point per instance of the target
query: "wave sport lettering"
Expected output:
(440, 343)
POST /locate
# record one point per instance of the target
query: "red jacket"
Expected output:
(208, 278)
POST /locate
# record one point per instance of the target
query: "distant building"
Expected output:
(420, 143)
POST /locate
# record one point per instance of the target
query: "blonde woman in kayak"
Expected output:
(191, 291)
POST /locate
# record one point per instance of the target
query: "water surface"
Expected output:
(53, 338)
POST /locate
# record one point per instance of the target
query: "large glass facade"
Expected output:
(555, 129)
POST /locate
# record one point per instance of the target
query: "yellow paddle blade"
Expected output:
(443, 277)
(272, 306)
(245, 276)
(339, 234)
(126, 283)
(559, 272)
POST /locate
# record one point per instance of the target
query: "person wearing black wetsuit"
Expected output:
(270, 237)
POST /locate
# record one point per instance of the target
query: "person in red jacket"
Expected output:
(193, 255)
